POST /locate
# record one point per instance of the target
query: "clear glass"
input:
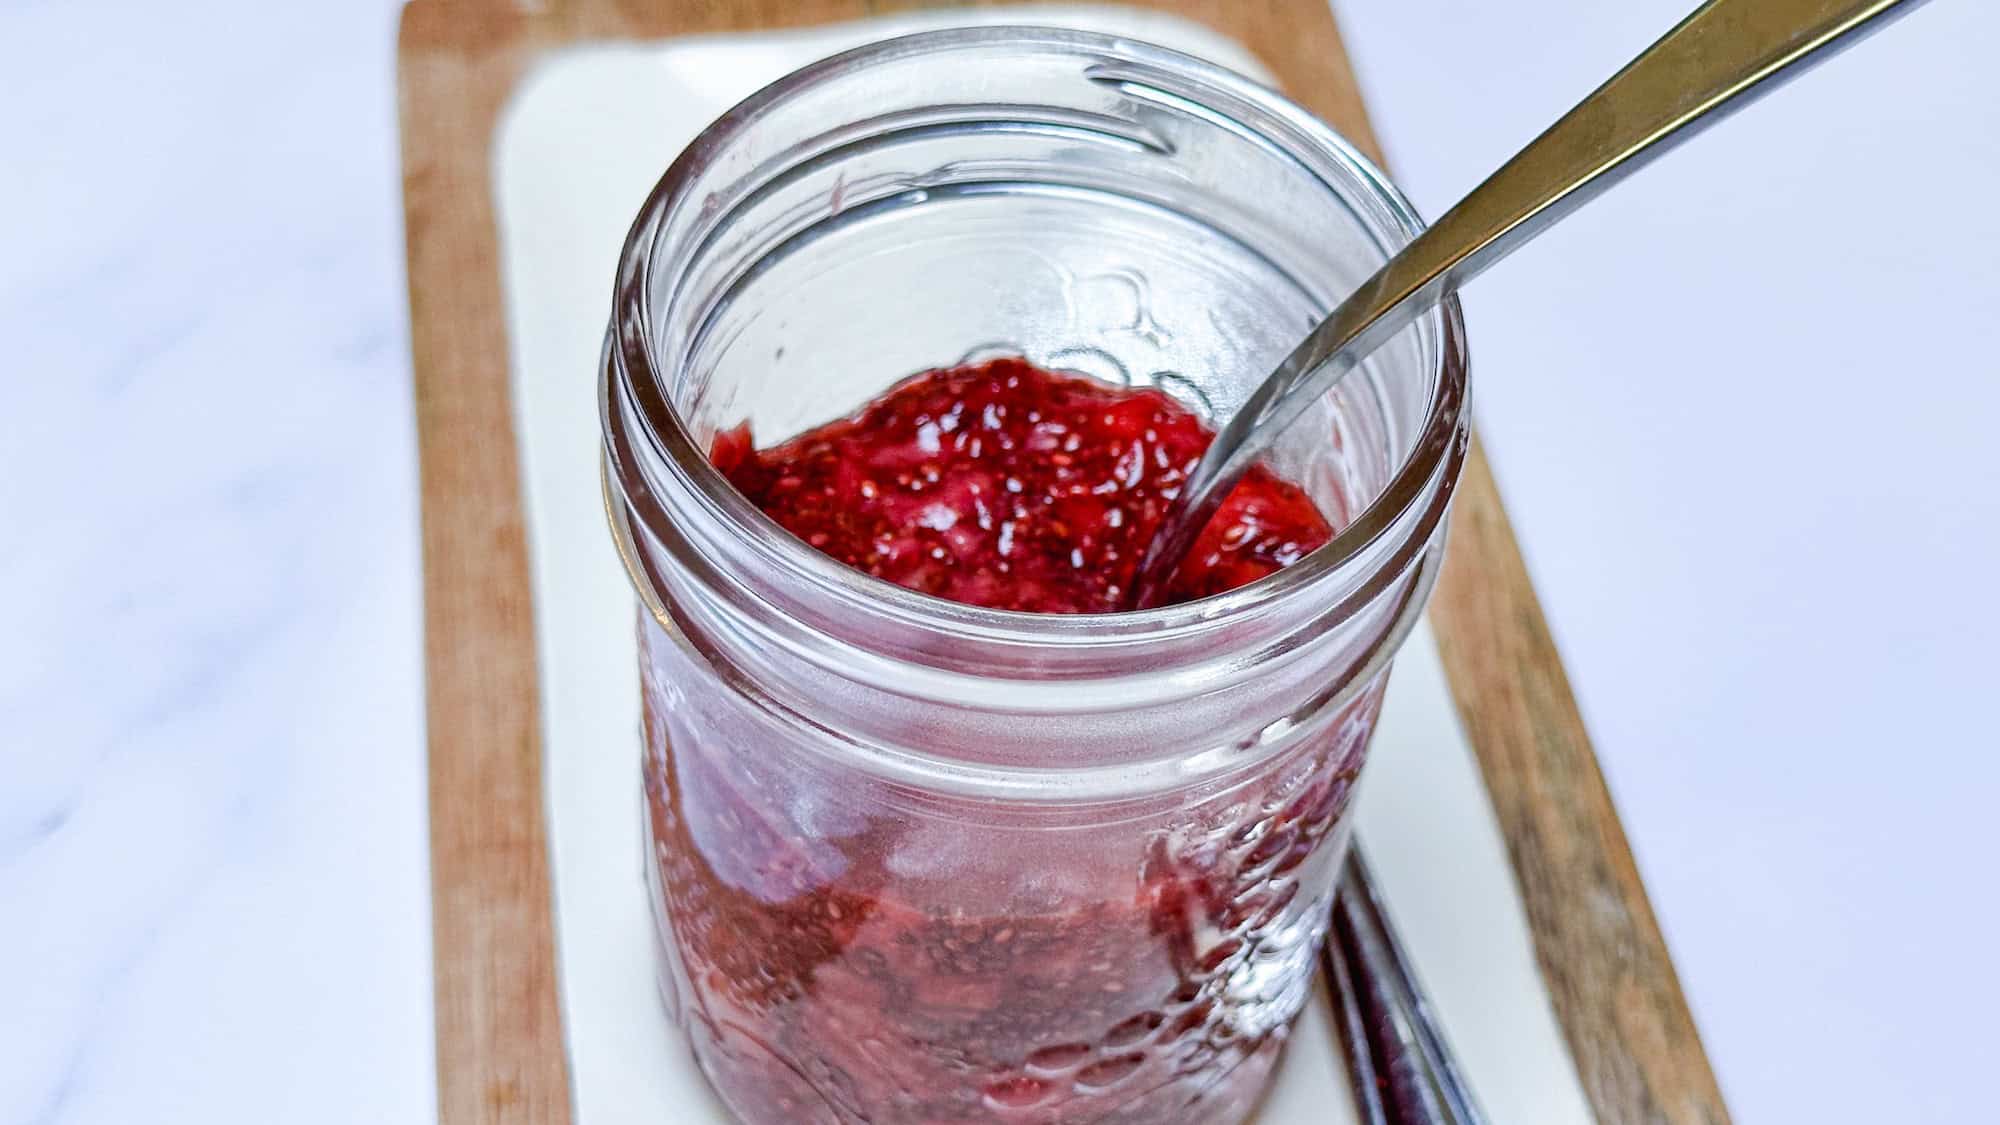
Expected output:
(916, 861)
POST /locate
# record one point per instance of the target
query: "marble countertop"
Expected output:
(1741, 411)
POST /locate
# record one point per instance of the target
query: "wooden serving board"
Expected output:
(500, 1037)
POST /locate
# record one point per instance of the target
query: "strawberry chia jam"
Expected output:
(1006, 486)
(836, 964)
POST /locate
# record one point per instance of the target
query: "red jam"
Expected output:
(820, 979)
(1006, 486)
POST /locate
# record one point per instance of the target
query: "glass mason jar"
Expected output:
(916, 861)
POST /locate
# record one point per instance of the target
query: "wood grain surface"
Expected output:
(499, 1033)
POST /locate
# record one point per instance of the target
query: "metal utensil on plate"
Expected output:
(1717, 59)
(1402, 1069)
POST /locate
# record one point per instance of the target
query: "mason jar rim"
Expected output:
(632, 380)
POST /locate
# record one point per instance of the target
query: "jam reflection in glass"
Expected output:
(838, 964)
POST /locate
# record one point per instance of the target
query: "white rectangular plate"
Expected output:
(584, 140)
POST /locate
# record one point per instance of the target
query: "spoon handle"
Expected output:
(1401, 1068)
(1717, 60)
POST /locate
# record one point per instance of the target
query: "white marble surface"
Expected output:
(1763, 545)
(213, 887)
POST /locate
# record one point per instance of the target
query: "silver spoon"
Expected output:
(1715, 61)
